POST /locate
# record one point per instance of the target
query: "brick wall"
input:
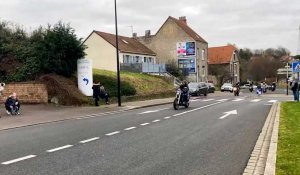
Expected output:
(26, 92)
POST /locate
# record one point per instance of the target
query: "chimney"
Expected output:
(134, 35)
(183, 19)
(147, 33)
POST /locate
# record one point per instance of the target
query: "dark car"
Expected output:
(197, 89)
(211, 88)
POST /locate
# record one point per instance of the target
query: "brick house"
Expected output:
(165, 44)
(101, 49)
(227, 59)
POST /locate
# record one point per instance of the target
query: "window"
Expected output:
(126, 59)
(137, 59)
(150, 59)
(145, 59)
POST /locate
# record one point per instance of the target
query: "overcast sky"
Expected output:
(254, 24)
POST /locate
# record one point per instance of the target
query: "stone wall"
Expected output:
(26, 92)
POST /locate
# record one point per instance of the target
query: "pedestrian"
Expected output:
(96, 92)
(295, 88)
(12, 105)
(2, 85)
(104, 94)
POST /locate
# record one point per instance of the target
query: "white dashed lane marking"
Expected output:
(131, 128)
(208, 100)
(255, 100)
(144, 124)
(89, 140)
(238, 99)
(59, 148)
(222, 100)
(272, 101)
(154, 121)
(167, 117)
(18, 159)
(112, 133)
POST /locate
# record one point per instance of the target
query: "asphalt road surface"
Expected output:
(214, 136)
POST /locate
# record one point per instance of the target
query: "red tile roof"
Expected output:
(127, 45)
(220, 55)
(187, 29)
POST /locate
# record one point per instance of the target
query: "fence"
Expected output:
(143, 67)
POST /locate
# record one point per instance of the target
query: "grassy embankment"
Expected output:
(288, 151)
(134, 86)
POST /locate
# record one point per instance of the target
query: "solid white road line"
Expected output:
(59, 148)
(208, 100)
(167, 117)
(195, 100)
(89, 140)
(18, 159)
(144, 124)
(238, 99)
(131, 128)
(154, 121)
(197, 109)
(113, 133)
(255, 100)
(272, 101)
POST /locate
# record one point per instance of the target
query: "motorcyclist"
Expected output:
(185, 92)
(237, 86)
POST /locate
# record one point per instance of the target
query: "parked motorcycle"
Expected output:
(182, 98)
(236, 91)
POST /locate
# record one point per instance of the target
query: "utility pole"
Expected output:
(298, 46)
(287, 78)
(118, 61)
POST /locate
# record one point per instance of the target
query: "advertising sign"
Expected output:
(188, 64)
(85, 76)
(186, 49)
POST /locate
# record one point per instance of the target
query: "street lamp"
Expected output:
(117, 51)
(287, 78)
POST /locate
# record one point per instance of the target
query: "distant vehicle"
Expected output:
(227, 87)
(211, 87)
(245, 86)
(197, 89)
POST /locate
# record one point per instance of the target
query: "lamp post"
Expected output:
(287, 78)
(117, 51)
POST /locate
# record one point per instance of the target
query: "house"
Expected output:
(226, 58)
(175, 41)
(101, 49)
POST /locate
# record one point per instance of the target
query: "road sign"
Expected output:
(85, 76)
(296, 67)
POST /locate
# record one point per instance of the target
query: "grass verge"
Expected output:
(288, 151)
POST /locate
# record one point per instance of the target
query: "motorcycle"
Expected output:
(251, 88)
(236, 91)
(182, 98)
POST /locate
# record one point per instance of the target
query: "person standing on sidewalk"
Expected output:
(2, 85)
(295, 88)
(96, 92)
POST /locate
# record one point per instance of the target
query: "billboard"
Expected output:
(186, 49)
(85, 76)
(188, 64)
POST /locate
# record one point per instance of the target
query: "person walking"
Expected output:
(96, 92)
(295, 88)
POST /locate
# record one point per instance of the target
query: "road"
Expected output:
(202, 139)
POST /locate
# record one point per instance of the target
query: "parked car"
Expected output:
(227, 87)
(197, 89)
(211, 87)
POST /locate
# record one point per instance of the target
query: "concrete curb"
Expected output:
(271, 160)
(258, 159)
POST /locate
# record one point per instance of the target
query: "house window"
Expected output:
(150, 59)
(235, 68)
(126, 59)
(203, 55)
(137, 59)
(145, 59)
